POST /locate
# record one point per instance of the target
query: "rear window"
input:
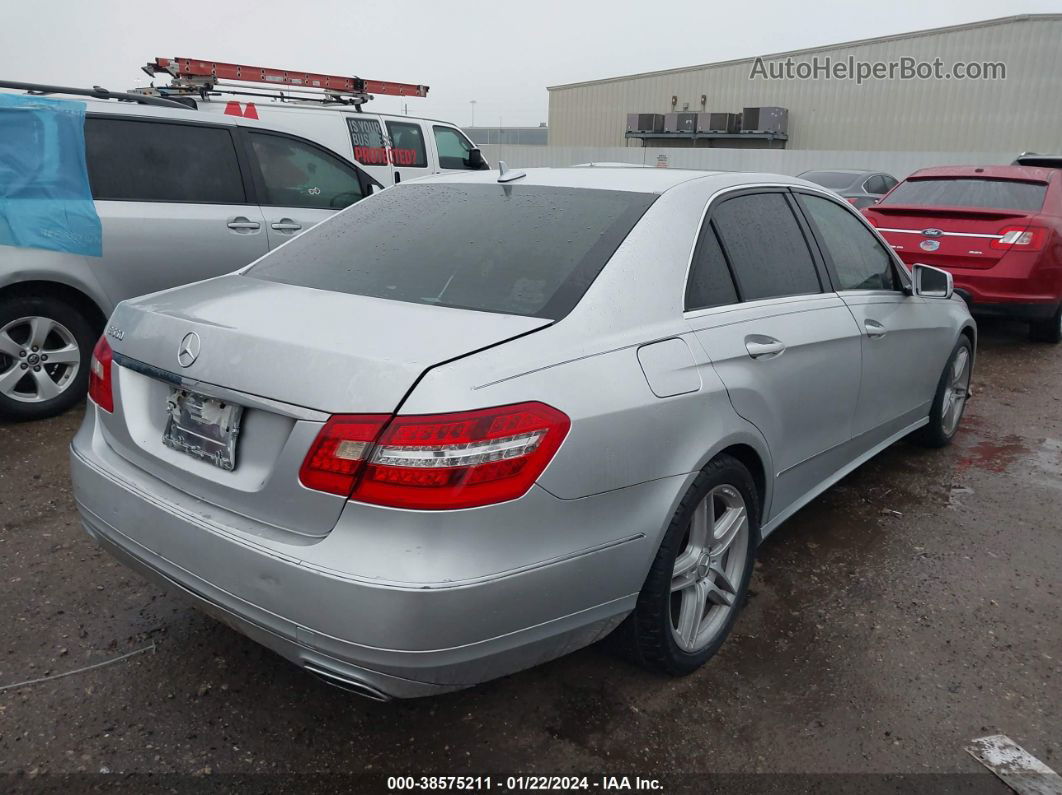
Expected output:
(515, 249)
(998, 194)
(834, 180)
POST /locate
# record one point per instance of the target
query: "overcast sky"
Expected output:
(502, 54)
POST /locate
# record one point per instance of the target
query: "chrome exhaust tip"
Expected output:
(346, 682)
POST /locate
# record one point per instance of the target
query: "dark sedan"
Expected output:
(859, 188)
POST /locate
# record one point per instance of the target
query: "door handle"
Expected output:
(760, 346)
(874, 329)
(243, 223)
(287, 225)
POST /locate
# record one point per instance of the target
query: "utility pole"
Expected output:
(472, 102)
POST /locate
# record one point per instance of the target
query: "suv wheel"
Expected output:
(1049, 330)
(698, 581)
(45, 345)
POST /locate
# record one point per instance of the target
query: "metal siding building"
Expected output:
(1018, 113)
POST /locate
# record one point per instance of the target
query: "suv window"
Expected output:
(296, 173)
(133, 160)
(366, 135)
(860, 261)
(710, 283)
(453, 148)
(765, 247)
(516, 249)
(407, 144)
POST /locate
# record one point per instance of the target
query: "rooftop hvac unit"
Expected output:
(645, 122)
(765, 120)
(680, 122)
(719, 122)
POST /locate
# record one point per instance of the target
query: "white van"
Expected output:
(389, 148)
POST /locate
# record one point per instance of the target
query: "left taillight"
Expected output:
(436, 461)
(101, 387)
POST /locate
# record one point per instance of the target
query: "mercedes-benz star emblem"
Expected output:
(189, 350)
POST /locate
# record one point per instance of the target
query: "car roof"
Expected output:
(852, 171)
(638, 180)
(1027, 173)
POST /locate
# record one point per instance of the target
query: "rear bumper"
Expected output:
(1014, 310)
(391, 640)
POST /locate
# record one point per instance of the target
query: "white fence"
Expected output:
(774, 161)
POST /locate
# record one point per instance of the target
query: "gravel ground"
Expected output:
(913, 607)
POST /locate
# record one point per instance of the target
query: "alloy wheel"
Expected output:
(956, 391)
(39, 359)
(708, 571)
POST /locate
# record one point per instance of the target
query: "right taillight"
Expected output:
(436, 461)
(1027, 238)
(101, 389)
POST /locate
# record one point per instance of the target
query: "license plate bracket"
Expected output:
(203, 427)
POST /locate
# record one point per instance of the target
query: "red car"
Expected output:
(997, 229)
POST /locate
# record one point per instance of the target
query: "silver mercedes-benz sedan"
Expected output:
(476, 422)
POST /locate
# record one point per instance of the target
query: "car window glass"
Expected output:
(861, 262)
(710, 283)
(407, 144)
(453, 148)
(890, 182)
(834, 180)
(517, 249)
(156, 161)
(366, 135)
(962, 192)
(765, 247)
(298, 174)
(876, 184)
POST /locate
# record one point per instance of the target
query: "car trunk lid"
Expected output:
(289, 357)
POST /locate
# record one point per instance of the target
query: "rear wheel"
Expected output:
(45, 346)
(950, 400)
(698, 581)
(1049, 330)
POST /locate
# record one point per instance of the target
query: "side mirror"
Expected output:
(930, 282)
(476, 160)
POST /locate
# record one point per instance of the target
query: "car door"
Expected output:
(784, 344)
(900, 332)
(172, 200)
(453, 150)
(409, 152)
(298, 183)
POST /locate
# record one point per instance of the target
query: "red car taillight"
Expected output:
(101, 389)
(437, 461)
(1027, 238)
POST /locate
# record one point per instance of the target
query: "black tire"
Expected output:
(1049, 330)
(73, 323)
(935, 434)
(646, 636)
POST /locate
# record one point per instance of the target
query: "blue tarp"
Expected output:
(45, 199)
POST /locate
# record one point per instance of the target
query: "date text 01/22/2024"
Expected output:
(523, 783)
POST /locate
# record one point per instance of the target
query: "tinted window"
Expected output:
(765, 247)
(156, 161)
(710, 282)
(861, 262)
(890, 182)
(453, 148)
(518, 249)
(407, 144)
(876, 184)
(297, 174)
(834, 180)
(993, 193)
(366, 135)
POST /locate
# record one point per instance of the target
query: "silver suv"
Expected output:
(181, 196)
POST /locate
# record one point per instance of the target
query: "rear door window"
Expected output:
(1000, 194)
(407, 144)
(147, 160)
(516, 249)
(859, 260)
(710, 282)
(296, 173)
(765, 247)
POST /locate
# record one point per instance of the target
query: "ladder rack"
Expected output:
(200, 77)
